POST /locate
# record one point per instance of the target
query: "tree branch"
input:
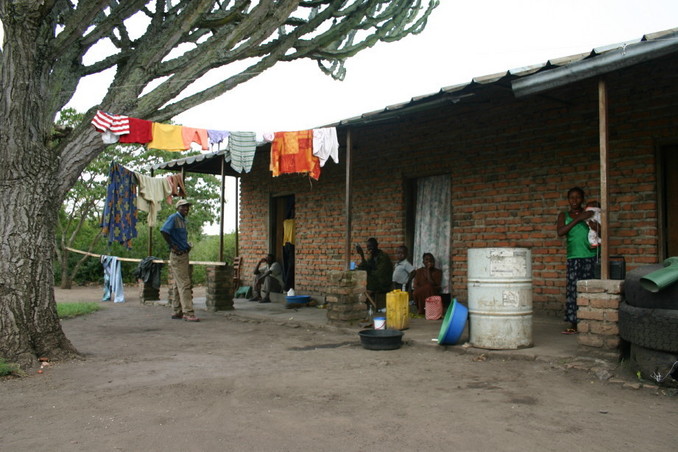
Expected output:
(226, 32)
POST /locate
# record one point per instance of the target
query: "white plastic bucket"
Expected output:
(380, 323)
(500, 298)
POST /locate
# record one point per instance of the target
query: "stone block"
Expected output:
(612, 342)
(147, 293)
(590, 340)
(606, 302)
(611, 286)
(347, 278)
(590, 314)
(345, 316)
(347, 308)
(612, 315)
(604, 328)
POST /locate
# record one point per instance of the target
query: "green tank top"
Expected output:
(578, 240)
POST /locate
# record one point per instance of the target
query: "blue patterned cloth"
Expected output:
(119, 222)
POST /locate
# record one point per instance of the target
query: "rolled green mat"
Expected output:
(664, 277)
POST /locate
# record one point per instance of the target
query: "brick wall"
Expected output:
(511, 162)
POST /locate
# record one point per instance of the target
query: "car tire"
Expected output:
(659, 367)
(650, 328)
(636, 295)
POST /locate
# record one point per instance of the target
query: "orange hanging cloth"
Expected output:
(292, 152)
(193, 135)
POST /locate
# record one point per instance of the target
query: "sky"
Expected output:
(462, 40)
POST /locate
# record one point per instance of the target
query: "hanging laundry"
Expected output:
(140, 131)
(326, 144)
(176, 184)
(112, 280)
(193, 135)
(167, 137)
(288, 231)
(119, 221)
(216, 137)
(242, 146)
(292, 152)
(152, 191)
(149, 271)
(110, 126)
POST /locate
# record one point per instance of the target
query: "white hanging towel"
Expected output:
(326, 144)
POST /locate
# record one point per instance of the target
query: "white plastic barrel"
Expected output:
(500, 298)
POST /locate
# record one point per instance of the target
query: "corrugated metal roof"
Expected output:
(512, 74)
(209, 163)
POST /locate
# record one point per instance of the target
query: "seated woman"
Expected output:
(426, 282)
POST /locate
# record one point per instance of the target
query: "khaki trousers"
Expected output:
(183, 296)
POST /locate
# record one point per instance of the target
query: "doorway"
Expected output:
(430, 220)
(283, 236)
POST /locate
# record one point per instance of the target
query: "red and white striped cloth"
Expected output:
(116, 124)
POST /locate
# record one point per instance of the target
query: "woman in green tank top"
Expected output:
(581, 257)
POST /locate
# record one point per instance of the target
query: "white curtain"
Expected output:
(432, 224)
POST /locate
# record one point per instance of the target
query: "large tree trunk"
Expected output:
(30, 193)
(29, 325)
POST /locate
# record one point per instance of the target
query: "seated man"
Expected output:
(267, 279)
(379, 271)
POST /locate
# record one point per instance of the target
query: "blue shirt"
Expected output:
(175, 226)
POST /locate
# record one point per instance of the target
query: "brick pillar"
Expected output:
(598, 301)
(219, 288)
(345, 299)
(147, 293)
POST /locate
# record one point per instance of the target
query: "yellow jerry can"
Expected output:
(397, 310)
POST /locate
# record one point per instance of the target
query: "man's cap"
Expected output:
(183, 202)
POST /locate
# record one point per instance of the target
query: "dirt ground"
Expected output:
(151, 383)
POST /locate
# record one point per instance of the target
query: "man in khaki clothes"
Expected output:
(176, 235)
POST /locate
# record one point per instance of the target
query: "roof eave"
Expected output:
(606, 62)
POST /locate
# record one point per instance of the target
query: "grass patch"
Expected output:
(8, 368)
(70, 310)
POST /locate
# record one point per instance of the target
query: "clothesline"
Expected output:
(155, 261)
(304, 151)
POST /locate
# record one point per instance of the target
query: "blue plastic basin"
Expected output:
(298, 298)
(453, 324)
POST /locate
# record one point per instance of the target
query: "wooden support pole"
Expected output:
(221, 209)
(348, 204)
(237, 215)
(604, 163)
(150, 233)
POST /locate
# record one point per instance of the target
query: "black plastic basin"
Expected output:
(387, 339)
